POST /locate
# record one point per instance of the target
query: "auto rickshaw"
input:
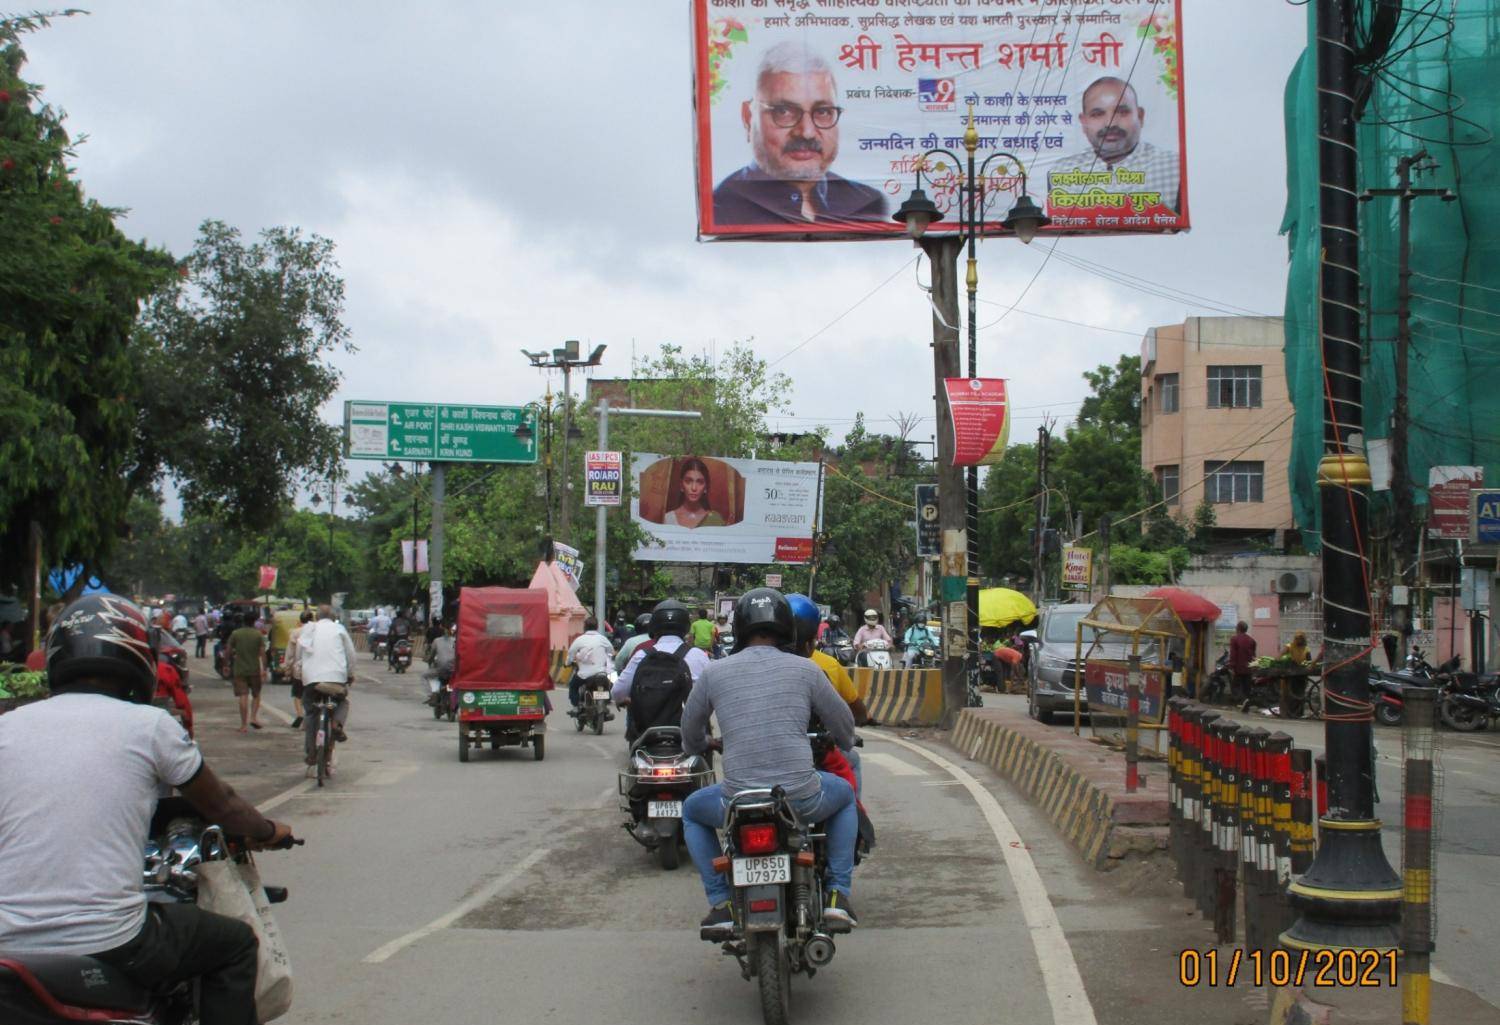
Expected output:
(283, 622)
(500, 670)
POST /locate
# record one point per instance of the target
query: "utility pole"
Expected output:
(1403, 529)
(565, 359)
(1350, 897)
(1038, 548)
(942, 254)
(1104, 553)
(435, 545)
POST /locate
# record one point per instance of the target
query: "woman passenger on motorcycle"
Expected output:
(83, 771)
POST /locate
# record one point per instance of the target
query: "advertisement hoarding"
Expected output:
(1077, 568)
(1104, 688)
(706, 509)
(603, 475)
(1448, 490)
(981, 419)
(812, 120)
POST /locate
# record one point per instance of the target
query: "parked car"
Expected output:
(1049, 687)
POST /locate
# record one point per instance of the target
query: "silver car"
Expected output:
(1053, 666)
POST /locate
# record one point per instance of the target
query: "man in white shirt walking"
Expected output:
(326, 658)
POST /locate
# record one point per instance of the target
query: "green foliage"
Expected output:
(1007, 502)
(1131, 565)
(1204, 520)
(236, 352)
(70, 288)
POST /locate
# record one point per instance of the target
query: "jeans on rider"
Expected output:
(575, 687)
(310, 720)
(180, 942)
(833, 805)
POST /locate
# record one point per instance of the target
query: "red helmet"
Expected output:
(103, 636)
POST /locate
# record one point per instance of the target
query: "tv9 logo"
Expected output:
(937, 94)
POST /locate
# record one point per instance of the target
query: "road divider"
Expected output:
(1078, 784)
(902, 697)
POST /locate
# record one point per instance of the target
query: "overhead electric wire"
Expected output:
(860, 302)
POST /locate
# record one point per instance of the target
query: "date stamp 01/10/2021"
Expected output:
(1318, 968)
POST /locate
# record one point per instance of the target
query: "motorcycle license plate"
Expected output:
(664, 809)
(774, 868)
(601, 695)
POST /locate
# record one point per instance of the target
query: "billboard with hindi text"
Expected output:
(813, 117)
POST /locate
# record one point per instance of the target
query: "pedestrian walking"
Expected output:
(201, 632)
(247, 651)
(292, 667)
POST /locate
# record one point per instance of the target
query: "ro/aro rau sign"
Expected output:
(604, 476)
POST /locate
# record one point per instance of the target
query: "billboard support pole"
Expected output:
(942, 252)
(435, 545)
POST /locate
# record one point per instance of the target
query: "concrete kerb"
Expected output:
(1080, 785)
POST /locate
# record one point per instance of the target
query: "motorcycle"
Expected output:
(54, 989)
(378, 649)
(778, 865)
(1387, 694)
(440, 692)
(660, 779)
(593, 703)
(1469, 701)
(401, 658)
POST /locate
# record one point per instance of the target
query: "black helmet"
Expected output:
(105, 636)
(643, 622)
(763, 610)
(670, 618)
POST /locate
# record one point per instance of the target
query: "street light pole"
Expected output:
(960, 525)
(564, 359)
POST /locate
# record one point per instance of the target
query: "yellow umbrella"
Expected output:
(1000, 606)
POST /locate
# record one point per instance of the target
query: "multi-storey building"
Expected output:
(1216, 422)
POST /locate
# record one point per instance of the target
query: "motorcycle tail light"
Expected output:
(763, 905)
(759, 838)
(664, 770)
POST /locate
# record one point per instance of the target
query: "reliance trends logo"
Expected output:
(937, 94)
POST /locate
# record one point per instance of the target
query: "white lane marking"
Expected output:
(1065, 992)
(599, 749)
(266, 706)
(890, 763)
(944, 783)
(287, 795)
(485, 893)
(388, 774)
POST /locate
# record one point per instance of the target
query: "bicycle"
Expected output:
(325, 732)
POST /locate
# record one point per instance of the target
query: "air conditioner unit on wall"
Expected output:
(1297, 581)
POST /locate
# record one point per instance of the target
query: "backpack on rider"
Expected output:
(658, 690)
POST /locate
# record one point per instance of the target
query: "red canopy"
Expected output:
(503, 639)
(1190, 607)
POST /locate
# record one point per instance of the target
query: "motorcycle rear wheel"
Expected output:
(598, 723)
(775, 977)
(1387, 714)
(667, 853)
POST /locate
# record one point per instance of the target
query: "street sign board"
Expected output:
(603, 475)
(1484, 517)
(430, 432)
(1077, 568)
(773, 579)
(929, 534)
(1448, 489)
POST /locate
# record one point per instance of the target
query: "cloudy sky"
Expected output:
(500, 176)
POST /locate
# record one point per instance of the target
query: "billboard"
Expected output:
(1448, 489)
(812, 120)
(706, 509)
(981, 419)
(1104, 687)
(1077, 568)
(602, 478)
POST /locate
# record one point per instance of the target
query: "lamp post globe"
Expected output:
(917, 213)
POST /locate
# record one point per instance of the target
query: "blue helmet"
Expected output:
(806, 617)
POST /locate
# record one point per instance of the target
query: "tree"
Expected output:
(1007, 504)
(235, 352)
(71, 285)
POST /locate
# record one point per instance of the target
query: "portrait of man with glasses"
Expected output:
(792, 125)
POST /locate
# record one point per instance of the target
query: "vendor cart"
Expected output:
(500, 672)
(1296, 690)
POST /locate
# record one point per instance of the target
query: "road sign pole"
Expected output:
(600, 523)
(435, 546)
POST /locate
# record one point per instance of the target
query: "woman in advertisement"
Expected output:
(690, 507)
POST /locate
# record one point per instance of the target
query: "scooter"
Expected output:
(440, 692)
(64, 989)
(877, 655)
(593, 703)
(660, 779)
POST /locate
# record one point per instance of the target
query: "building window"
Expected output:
(1239, 481)
(1170, 482)
(1233, 387)
(1166, 386)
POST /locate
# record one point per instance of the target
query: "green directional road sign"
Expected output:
(428, 432)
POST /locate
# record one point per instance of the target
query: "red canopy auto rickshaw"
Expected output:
(500, 672)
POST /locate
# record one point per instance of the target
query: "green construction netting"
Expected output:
(1439, 90)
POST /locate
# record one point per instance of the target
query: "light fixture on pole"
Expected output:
(1023, 221)
(565, 359)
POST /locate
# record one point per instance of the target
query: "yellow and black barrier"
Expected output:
(902, 697)
(557, 668)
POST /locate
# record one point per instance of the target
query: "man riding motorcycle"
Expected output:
(668, 627)
(641, 636)
(763, 697)
(82, 772)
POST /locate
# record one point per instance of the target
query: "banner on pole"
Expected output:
(267, 578)
(1448, 489)
(981, 419)
(603, 475)
(569, 561)
(407, 552)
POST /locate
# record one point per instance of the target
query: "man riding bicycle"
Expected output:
(83, 771)
(327, 661)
